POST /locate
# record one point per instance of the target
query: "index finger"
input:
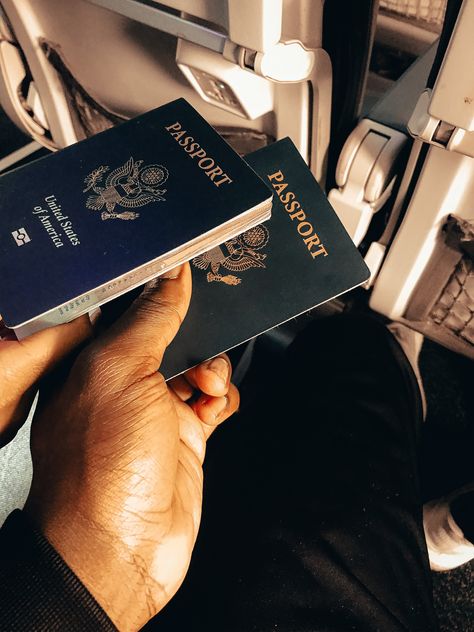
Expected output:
(24, 362)
(211, 377)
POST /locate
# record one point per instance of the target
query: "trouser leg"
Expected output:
(312, 515)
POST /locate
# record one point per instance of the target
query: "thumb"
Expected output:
(144, 331)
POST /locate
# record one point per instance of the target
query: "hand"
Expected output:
(117, 458)
(23, 363)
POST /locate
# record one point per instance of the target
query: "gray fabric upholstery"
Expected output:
(15, 470)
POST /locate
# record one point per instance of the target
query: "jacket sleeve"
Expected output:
(38, 591)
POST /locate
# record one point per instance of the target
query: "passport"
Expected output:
(271, 273)
(109, 213)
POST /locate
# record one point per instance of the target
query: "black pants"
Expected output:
(312, 512)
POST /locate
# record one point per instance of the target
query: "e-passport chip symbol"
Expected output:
(21, 237)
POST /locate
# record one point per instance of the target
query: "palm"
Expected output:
(144, 449)
(176, 528)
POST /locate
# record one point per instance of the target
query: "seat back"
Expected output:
(70, 69)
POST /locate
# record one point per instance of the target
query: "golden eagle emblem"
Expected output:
(130, 186)
(235, 255)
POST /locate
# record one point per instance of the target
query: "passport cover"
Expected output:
(297, 260)
(111, 204)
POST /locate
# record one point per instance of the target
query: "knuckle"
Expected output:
(156, 306)
(158, 383)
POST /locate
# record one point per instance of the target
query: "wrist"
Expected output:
(114, 573)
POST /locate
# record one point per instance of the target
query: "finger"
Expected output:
(24, 362)
(14, 415)
(181, 387)
(211, 377)
(142, 334)
(191, 432)
(214, 410)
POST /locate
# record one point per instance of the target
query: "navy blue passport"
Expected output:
(299, 259)
(88, 223)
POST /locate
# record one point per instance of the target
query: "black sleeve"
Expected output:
(38, 591)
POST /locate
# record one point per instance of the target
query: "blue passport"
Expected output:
(109, 213)
(299, 259)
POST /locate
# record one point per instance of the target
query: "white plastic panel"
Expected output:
(255, 24)
(445, 185)
(223, 83)
(294, 120)
(453, 93)
(302, 20)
